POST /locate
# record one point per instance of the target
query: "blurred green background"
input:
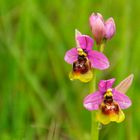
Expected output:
(37, 99)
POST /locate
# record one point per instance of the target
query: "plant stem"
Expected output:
(94, 125)
(101, 47)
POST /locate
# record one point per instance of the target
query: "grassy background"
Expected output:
(37, 99)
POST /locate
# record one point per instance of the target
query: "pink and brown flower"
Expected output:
(83, 58)
(109, 101)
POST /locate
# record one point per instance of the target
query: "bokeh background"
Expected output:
(37, 99)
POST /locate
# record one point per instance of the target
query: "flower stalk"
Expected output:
(102, 46)
(94, 124)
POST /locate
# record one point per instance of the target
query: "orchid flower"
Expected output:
(109, 101)
(102, 30)
(83, 58)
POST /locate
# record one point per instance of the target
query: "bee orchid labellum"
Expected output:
(83, 58)
(109, 101)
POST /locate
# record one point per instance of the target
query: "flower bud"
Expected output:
(110, 28)
(97, 26)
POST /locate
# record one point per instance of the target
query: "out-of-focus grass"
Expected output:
(37, 100)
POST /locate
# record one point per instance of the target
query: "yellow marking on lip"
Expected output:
(81, 52)
(82, 77)
(108, 92)
(105, 119)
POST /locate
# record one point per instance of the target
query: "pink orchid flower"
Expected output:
(109, 101)
(83, 58)
(102, 30)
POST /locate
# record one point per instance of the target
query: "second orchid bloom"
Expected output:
(109, 101)
(83, 58)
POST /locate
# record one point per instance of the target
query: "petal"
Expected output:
(97, 26)
(85, 42)
(125, 84)
(110, 28)
(71, 55)
(105, 119)
(98, 60)
(105, 84)
(100, 117)
(82, 77)
(92, 101)
(77, 33)
(117, 117)
(123, 100)
(121, 116)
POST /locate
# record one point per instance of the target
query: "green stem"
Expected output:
(94, 125)
(102, 46)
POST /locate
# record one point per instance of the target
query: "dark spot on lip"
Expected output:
(109, 100)
(108, 97)
(82, 65)
(109, 106)
(82, 58)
